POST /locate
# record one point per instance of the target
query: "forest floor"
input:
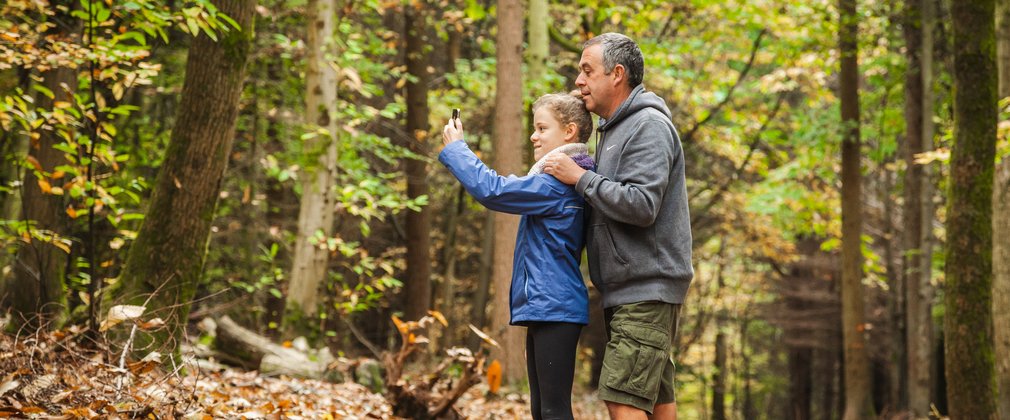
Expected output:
(52, 376)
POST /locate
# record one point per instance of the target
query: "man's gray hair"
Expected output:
(619, 49)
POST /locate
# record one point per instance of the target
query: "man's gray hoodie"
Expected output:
(639, 229)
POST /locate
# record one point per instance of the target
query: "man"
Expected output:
(638, 231)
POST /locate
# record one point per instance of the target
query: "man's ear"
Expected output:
(620, 73)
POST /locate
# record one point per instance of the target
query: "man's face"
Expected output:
(598, 88)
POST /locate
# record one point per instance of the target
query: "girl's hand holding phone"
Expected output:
(453, 130)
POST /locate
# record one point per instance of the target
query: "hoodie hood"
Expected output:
(638, 100)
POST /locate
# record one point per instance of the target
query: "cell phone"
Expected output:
(455, 113)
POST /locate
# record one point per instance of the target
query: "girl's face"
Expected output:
(548, 133)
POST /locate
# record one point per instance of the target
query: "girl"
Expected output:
(547, 294)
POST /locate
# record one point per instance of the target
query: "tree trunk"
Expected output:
(721, 367)
(480, 300)
(1003, 46)
(916, 395)
(417, 287)
(315, 214)
(508, 136)
(538, 47)
(1001, 283)
(971, 381)
(36, 288)
(445, 298)
(748, 410)
(857, 371)
(166, 261)
(920, 299)
(1001, 229)
(539, 17)
(279, 205)
(13, 149)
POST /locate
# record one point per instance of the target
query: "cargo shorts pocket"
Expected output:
(635, 358)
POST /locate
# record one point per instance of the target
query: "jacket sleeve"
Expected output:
(528, 195)
(646, 164)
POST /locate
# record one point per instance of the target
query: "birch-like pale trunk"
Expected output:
(316, 210)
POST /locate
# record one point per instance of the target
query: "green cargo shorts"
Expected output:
(638, 368)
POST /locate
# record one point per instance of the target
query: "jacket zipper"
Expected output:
(526, 283)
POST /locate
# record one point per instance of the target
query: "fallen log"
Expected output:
(243, 347)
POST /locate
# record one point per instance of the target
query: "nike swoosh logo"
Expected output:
(611, 147)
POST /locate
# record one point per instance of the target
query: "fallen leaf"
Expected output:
(484, 336)
(152, 324)
(494, 376)
(120, 313)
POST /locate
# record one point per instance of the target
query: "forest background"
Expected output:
(273, 161)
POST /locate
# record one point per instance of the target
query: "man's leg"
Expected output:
(666, 403)
(620, 411)
(667, 411)
(635, 359)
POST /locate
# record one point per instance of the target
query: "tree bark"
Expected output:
(857, 372)
(721, 367)
(1003, 46)
(417, 287)
(1001, 283)
(316, 211)
(508, 137)
(35, 292)
(971, 381)
(916, 393)
(481, 296)
(166, 261)
(920, 305)
(538, 47)
(1001, 229)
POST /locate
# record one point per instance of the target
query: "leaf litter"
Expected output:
(54, 376)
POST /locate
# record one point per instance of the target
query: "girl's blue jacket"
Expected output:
(546, 281)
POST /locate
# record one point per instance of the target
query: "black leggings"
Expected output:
(550, 363)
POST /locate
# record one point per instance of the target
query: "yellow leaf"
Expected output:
(71, 212)
(287, 344)
(44, 186)
(494, 376)
(411, 338)
(62, 244)
(441, 318)
(58, 175)
(400, 325)
(61, 104)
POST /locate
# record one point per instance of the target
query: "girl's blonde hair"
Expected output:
(568, 108)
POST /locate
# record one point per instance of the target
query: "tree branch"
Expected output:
(562, 40)
(743, 165)
(729, 95)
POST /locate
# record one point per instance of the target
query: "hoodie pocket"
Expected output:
(609, 262)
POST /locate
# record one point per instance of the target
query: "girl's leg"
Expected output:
(531, 371)
(553, 357)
